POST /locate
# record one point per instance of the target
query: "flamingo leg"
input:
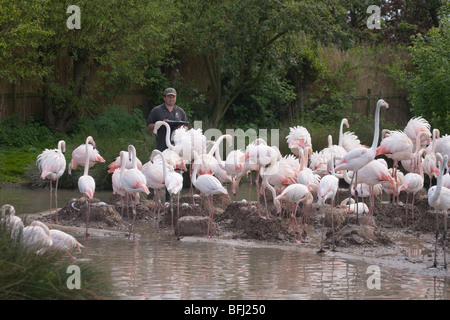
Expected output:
(444, 238)
(51, 203)
(332, 224)
(323, 227)
(88, 212)
(436, 239)
(349, 197)
(56, 201)
(178, 215)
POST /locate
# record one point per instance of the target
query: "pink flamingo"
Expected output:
(132, 180)
(328, 187)
(371, 175)
(128, 164)
(295, 193)
(439, 199)
(13, 223)
(298, 137)
(79, 157)
(208, 185)
(307, 177)
(173, 182)
(117, 187)
(86, 184)
(412, 183)
(64, 242)
(397, 146)
(414, 127)
(442, 145)
(359, 157)
(279, 174)
(52, 164)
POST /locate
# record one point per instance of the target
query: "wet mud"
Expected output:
(393, 233)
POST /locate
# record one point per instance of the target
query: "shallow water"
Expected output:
(154, 265)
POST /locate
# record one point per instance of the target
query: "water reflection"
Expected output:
(156, 266)
(153, 267)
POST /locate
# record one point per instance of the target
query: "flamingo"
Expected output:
(207, 161)
(13, 223)
(413, 183)
(442, 145)
(208, 185)
(360, 207)
(350, 141)
(86, 184)
(359, 157)
(154, 173)
(412, 165)
(52, 164)
(37, 237)
(128, 164)
(306, 176)
(79, 157)
(327, 189)
(298, 137)
(117, 187)
(64, 242)
(296, 193)
(397, 146)
(414, 127)
(132, 180)
(173, 182)
(429, 163)
(279, 174)
(392, 189)
(370, 176)
(257, 154)
(439, 199)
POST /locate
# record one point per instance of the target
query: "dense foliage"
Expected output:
(263, 60)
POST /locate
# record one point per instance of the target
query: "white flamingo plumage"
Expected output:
(414, 127)
(132, 180)
(412, 183)
(442, 145)
(296, 193)
(13, 223)
(439, 199)
(37, 237)
(208, 185)
(298, 137)
(64, 242)
(359, 157)
(128, 164)
(86, 184)
(52, 164)
(173, 182)
(327, 189)
(79, 157)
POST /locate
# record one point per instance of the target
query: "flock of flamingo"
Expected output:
(294, 178)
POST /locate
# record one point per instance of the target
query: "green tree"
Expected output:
(429, 82)
(21, 33)
(117, 39)
(240, 40)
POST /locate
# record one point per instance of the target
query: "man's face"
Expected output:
(170, 100)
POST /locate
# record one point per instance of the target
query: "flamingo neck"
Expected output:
(437, 192)
(377, 128)
(86, 161)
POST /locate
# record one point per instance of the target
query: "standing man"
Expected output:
(168, 111)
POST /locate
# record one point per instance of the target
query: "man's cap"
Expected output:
(170, 91)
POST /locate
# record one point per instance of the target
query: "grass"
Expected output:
(25, 275)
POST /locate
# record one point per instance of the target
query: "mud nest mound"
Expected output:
(240, 220)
